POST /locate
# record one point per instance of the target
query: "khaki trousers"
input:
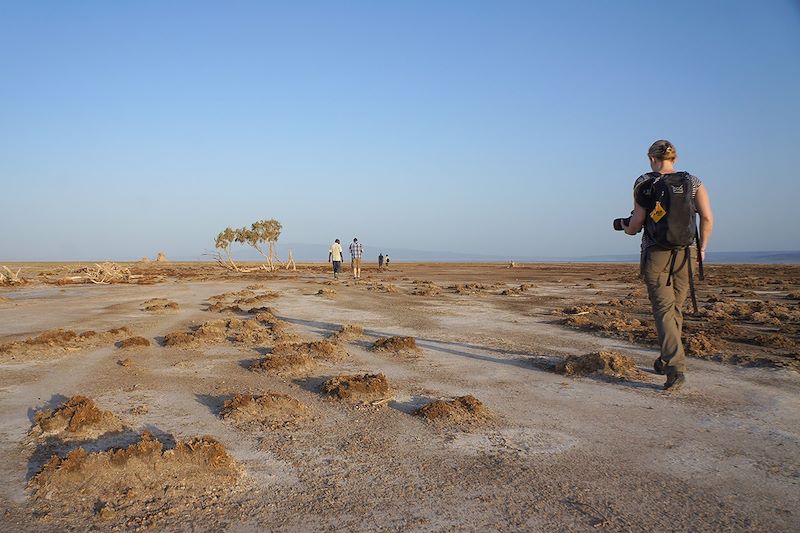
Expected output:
(667, 301)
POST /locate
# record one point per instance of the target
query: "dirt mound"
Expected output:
(231, 296)
(383, 287)
(700, 345)
(61, 340)
(348, 332)
(609, 322)
(178, 338)
(774, 340)
(323, 349)
(426, 288)
(222, 307)
(326, 291)
(272, 410)
(138, 483)
(132, 342)
(361, 387)
(762, 312)
(516, 290)
(462, 410)
(263, 329)
(159, 304)
(77, 419)
(471, 288)
(242, 301)
(605, 363)
(396, 344)
(293, 363)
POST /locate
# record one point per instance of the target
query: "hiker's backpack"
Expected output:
(671, 220)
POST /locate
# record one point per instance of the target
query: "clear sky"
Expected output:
(512, 128)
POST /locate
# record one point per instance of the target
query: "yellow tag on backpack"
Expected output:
(658, 212)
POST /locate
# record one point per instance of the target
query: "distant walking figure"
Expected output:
(356, 251)
(386, 260)
(335, 257)
(380, 261)
(665, 203)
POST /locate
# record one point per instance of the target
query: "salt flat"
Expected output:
(558, 453)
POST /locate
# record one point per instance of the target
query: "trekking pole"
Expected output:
(691, 278)
(699, 255)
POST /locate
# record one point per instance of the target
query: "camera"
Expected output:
(618, 222)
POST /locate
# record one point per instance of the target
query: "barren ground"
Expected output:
(549, 453)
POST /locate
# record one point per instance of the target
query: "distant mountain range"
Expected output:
(319, 252)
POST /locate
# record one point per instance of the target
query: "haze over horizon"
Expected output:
(511, 130)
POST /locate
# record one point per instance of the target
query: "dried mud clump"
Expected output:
(462, 410)
(61, 340)
(292, 363)
(326, 291)
(700, 345)
(605, 363)
(240, 301)
(516, 290)
(142, 479)
(396, 344)
(323, 349)
(348, 332)
(265, 328)
(159, 304)
(272, 410)
(133, 342)
(610, 322)
(426, 288)
(178, 338)
(222, 307)
(77, 419)
(363, 387)
(471, 288)
(774, 340)
(383, 287)
(761, 312)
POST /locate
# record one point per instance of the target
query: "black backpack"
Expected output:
(671, 221)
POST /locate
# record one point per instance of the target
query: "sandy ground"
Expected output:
(560, 454)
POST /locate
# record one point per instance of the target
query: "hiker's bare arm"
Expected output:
(703, 205)
(637, 220)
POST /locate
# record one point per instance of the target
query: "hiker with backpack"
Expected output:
(666, 203)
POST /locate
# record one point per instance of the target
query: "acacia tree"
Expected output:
(260, 233)
(223, 242)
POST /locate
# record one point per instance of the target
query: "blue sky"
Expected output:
(510, 128)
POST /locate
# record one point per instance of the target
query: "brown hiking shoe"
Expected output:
(675, 381)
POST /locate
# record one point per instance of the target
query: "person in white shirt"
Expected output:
(335, 257)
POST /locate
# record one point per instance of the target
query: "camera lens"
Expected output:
(619, 221)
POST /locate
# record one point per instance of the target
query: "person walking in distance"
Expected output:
(335, 257)
(356, 251)
(666, 203)
(380, 261)
(386, 260)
